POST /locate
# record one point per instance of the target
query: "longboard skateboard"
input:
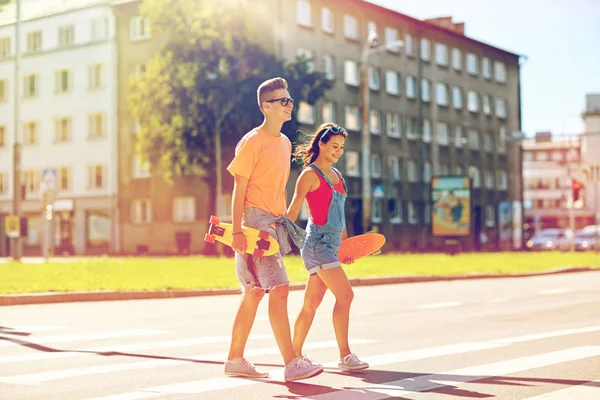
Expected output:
(260, 243)
(360, 246)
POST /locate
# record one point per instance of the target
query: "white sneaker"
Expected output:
(243, 368)
(308, 360)
(352, 362)
(301, 369)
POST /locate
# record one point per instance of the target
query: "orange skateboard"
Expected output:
(360, 246)
(260, 243)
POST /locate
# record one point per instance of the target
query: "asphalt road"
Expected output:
(514, 338)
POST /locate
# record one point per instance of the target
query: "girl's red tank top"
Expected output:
(320, 199)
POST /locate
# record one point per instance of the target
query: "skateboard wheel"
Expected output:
(263, 235)
(214, 220)
(209, 238)
(258, 253)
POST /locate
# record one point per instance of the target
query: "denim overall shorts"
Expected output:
(322, 244)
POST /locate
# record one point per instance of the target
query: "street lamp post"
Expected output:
(368, 49)
(15, 246)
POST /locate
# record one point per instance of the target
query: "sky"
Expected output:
(560, 38)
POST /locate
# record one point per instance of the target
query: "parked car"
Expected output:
(547, 239)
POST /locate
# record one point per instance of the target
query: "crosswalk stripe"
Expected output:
(33, 328)
(586, 391)
(440, 305)
(405, 387)
(37, 378)
(123, 348)
(8, 341)
(208, 385)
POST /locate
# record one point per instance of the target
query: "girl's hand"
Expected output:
(348, 260)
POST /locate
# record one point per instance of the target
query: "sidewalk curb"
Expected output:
(68, 297)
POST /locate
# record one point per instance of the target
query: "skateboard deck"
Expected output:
(360, 246)
(260, 243)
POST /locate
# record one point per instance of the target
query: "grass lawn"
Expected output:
(203, 272)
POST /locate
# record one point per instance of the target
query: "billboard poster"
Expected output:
(505, 225)
(451, 206)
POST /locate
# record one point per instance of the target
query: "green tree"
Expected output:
(197, 96)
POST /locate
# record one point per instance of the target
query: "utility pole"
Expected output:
(15, 245)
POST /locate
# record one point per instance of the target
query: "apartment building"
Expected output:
(67, 122)
(442, 104)
(590, 157)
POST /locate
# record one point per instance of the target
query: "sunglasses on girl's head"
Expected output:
(284, 101)
(334, 129)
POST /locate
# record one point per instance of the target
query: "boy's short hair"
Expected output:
(269, 86)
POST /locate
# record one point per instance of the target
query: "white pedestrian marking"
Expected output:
(586, 391)
(406, 387)
(83, 351)
(208, 385)
(32, 329)
(44, 340)
(555, 291)
(441, 305)
(37, 378)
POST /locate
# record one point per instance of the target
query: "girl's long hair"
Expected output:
(309, 151)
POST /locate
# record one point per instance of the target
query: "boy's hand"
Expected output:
(239, 243)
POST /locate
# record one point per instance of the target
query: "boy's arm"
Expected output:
(303, 186)
(240, 185)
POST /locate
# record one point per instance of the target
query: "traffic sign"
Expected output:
(378, 192)
(12, 226)
(49, 177)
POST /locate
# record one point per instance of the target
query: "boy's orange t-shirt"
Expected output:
(265, 160)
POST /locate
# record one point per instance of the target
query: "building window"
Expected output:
(352, 163)
(326, 20)
(395, 211)
(62, 130)
(307, 56)
(442, 133)
(392, 82)
(139, 28)
(141, 169)
(66, 35)
(394, 128)
(472, 64)
(489, 179)
(427, 172)
(394, 168)
(486, 68)
(444, 169)
(473, 139)
(63, 179)
(3, 90)
(62, 81)
(377, 210)
(375, 165)
(96, 125)
(352, 118)
(457, 97)
(329, 67)
(475, 176)
(425, 90)
(409, 46)
(3, 183)
(502, 139)
(487, 104)
(412, 213)
(31, 180)
(456, 59)
(391, 36)
(95, 76)
(490, 217)
(30, 86)
(2, 136)
(375, 122)
(411, 170)
(184, 209)
(350, 27)
(141, 211)
(30, 133)
(499, 72)
(4, 47)
(373, 78)
(351, 73)
(459, 137)
(306, 113)
(441, 54)
(425, 50)
(472, 101)
(303, 13)
(502, 180)
(488, 142)
(458, 170)
(328, 112)
(426, 130)
(441, 94)
(410, 87)
(412, 131)
(99, 28)
(96, 176)
(500, 107)
(34, 41)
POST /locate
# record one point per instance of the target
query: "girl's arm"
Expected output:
(344, 234)
(306, 183)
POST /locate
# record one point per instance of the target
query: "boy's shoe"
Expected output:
(351, 362)
(308, 360)
(243, 368)
(301, 369)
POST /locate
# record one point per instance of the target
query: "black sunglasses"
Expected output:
(335, 129)
(284, 101)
